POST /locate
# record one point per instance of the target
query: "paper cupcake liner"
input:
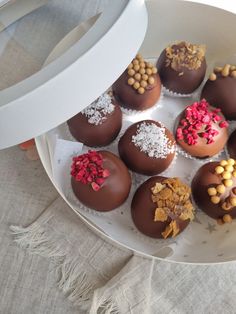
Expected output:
(158, 105)
(201, 161)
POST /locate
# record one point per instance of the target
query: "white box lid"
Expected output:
(67, 85)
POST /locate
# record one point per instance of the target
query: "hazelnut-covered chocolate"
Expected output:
(231, 145)
(139, 87)
(100, 180)
(162, 207)
(98, 124)
(201, 130)
(214, 190)
(182, 67)
(147, 147)
(220, 90)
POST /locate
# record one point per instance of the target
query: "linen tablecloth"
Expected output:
(57, 265)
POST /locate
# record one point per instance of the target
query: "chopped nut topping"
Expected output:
(183, 54)
(172, 198)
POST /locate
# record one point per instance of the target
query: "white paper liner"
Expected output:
(200, 160)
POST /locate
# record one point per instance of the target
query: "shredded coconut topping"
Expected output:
(98, 111)
(152, 140)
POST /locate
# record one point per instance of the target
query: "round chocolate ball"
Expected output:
(214, 194)
(98, 124)
(182, 67)
(105, 192)
(201, 130)
(147, 147)
(155, 221)
(231, 145)
(220, 91)
(139, 87)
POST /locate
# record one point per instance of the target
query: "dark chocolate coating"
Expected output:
(139, 161)
(202, 149)
(143, 211)
(96, 135)
(184, 84)
(231, 145)
(114, 190)
(204, 179)
(221, 93)
(129, 98)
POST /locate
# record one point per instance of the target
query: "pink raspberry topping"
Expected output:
(199, 121)
(88, 169)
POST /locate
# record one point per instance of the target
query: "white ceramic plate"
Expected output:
(203, 241)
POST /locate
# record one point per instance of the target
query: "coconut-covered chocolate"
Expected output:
(162, 207)
(214, 189)
(139, 87)
(231, 145)
(182, 67)
(147, 147)
(220, 90)
(100, 180)
(98, 124)
(201, 130)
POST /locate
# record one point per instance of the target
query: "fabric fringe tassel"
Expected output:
(75, 284)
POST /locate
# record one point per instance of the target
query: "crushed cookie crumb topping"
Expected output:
(173, 200)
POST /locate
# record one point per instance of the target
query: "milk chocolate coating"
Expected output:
(114, 190)
(204, 179)
(129, 98)
(231, 145)
(96, 135)
(182, 84)
(143, 211)
(202, 149)
(139, 161)
(221, 93)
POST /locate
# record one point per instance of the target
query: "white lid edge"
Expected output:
(67, 85)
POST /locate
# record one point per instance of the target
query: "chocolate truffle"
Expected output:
(231, 145)
(201, 130)
(214, 189)
(220, 90)
(162, 207)
(139, 87)
(182, 67)
(98, 124)
(147, 147)
(100, 180)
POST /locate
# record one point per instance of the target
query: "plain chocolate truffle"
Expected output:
(98, 124)
(139, 87)
(231, 145)
(147, 147)
(161, 207)
(201, 130)
(220, 90)
(182, 67)
(214, 189)
(108, 188)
